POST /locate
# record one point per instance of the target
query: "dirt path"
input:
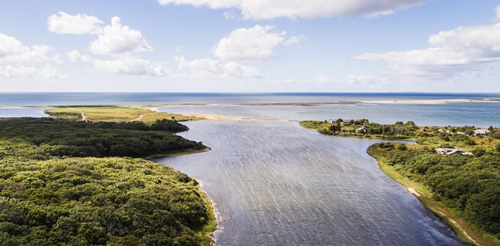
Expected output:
(83, 116)
(141, 116)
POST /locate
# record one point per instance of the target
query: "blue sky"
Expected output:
(250, 45)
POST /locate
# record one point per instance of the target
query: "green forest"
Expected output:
(57, 137)
(463, 187)
(469, 186)
(66, 183)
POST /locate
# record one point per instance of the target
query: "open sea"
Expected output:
(284, 106)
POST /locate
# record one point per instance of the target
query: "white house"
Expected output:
(480, 132)
(449, 151)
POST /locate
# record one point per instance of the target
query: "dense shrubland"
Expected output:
(53, 197)
(56, 137)
(467, 184)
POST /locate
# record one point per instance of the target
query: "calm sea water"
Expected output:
(276, 183)
(458, 114)
(477, 114)
(50, 99)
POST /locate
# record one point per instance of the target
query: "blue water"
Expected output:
(22, 112)
(276, 183)
(472, 114)
(480, 114)
(50, 99)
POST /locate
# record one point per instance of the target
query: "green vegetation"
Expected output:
(98, 113)
(115, 114)
(463, 190)
(80, 139)
(152, 117)
(50, 196)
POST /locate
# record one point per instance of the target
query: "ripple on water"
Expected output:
(276, 183)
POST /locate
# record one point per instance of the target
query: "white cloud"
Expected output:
(75, 56)
(249, 45)
(497, 12)
(293, 40)
(268, 9)
(12, 50)
(464, 49)
(229, 15)
(324, 80)
(63, 23)
(179, 48)
(23, 72)
(214, 4)
(57, 58)
(117, 39)
(207, 68)
(132, 66)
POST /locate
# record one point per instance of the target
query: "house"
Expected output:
(362, 129)
(347, 122)
(481, 132)
(449, 151)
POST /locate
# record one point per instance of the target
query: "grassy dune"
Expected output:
(115, 114)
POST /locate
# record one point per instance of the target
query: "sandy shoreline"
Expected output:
(310, 104)
(155, 107)
(432, 101)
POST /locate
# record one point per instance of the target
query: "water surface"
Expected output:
(482, 114)
(276, 183)
(22, 112)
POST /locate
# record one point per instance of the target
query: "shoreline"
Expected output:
(213, 220)
(465, 231)
(461, 228)
(154, 107)
(215, 212)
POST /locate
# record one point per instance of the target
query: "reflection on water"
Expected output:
(22, 112)
(276, 183)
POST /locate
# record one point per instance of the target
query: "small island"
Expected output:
(453, 171)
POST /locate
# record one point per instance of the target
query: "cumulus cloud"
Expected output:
(63, 23)
(457, 51)
(23, 72)
(207, 68)
(251, 44)
(13, 50)
(131, 66)
(75, 56)
(116, 39)
(268, 9)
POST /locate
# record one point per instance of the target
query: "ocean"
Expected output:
(283, 106)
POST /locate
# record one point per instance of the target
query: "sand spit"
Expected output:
(433, 101)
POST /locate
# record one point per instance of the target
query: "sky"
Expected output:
(250, 46)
